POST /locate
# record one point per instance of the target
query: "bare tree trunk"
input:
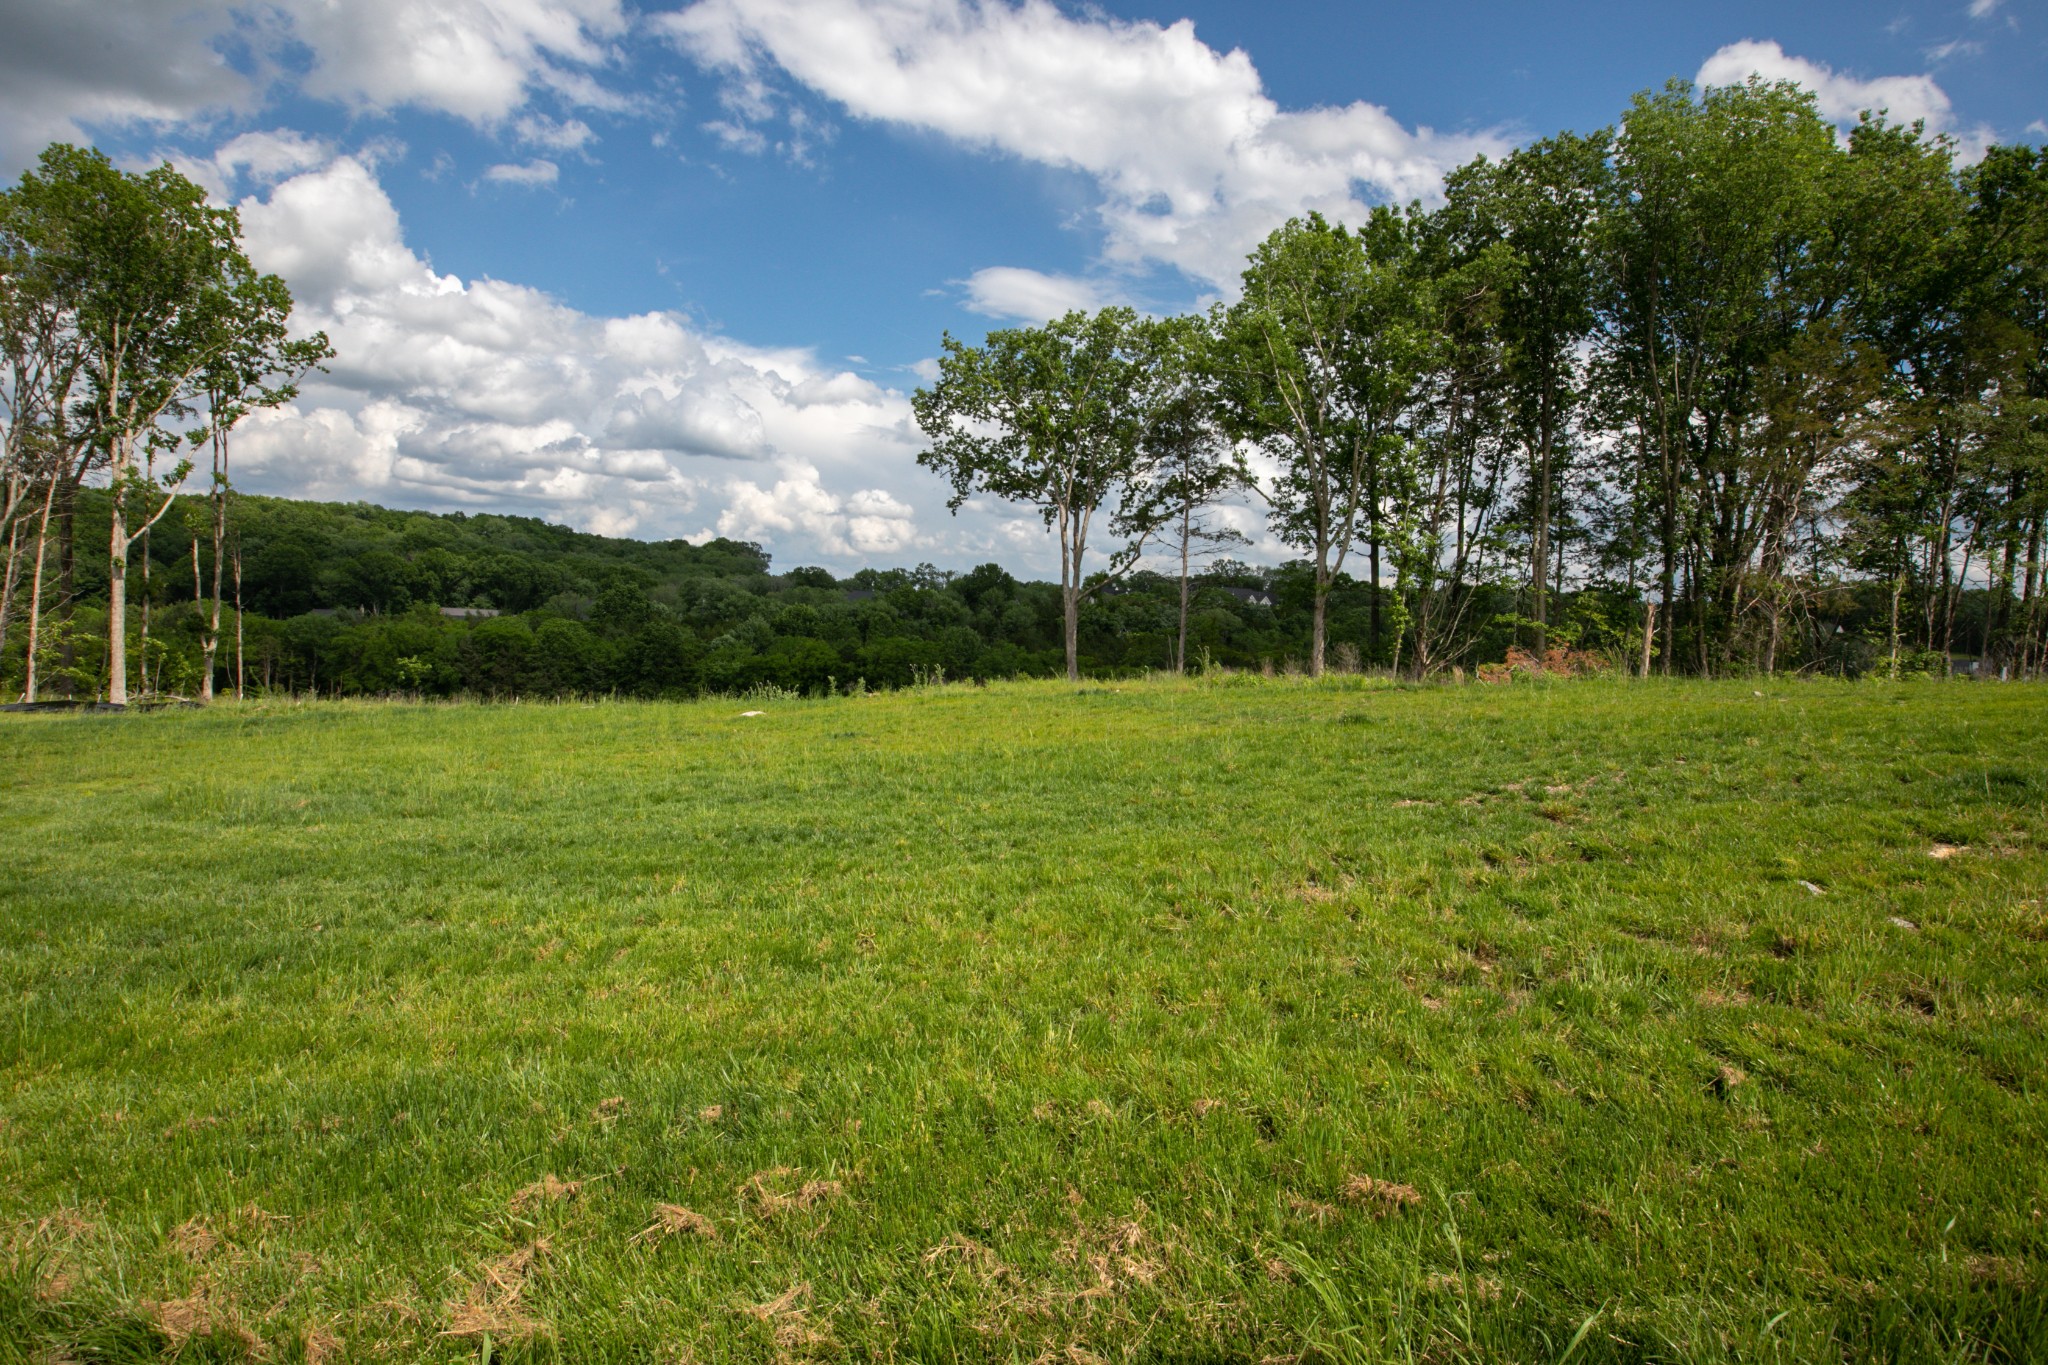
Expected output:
(117, 600)
(1070, 590)
(1649, 633)
(35, 592)
(1372, 493)
(1898, 590)
(210, 646)
(142, 648)
(1180, 648)
(1318, 635)
(1771, 641)
(12, 581)
(1539, 550)
(212, 637)
(238, 620)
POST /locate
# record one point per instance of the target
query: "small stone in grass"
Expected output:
(1815, 890)
(1904, 923)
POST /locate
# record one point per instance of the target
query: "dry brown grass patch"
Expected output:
(493, 1303)
(1478, 1288)
(546, 1190)
(1318, 1213)
(673, 1220)
(2005, 1270)
(194, 1240)
(1381, 1197)
(761, 1190)
(199, 1314)
(322, 1346)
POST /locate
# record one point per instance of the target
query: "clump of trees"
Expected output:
(134, 330)
(1716, 360)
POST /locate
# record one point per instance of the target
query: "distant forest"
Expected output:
(355, 600)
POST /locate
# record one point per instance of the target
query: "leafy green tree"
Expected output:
(255, 363)
(1538, 203)
(1189, 464)
(1713, 195)
(1053, 417)
(1318, 364)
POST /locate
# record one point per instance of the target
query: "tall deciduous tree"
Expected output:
(1538, 203)
(1319, 364)
(1714, 194)
(1053, 417)
(1189, 465)
(256, 364)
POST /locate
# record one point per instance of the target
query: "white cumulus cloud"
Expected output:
(539, 171)
(67, 66)
(1195, 162)
(1006, 291)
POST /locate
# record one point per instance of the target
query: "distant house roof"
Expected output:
(470, 613)
(1252, 597)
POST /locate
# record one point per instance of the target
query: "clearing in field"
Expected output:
(1204, 1021)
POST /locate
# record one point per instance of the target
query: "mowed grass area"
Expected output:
(1205, 1021)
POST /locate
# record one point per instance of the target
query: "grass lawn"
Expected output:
(1213, 1021)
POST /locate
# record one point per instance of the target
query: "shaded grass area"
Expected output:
(1175, 1022)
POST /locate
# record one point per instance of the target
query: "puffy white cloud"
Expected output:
(539, 171)
(1840, 97)
(1194, 160)
(476, 59)
(1005, 291)
(859, 527)
(448, 392)
(557, 135)
(67, 66)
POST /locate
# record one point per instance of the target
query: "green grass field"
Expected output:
(1216, 1021)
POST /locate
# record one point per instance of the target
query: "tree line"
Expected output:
(1716, 359)
(1713, 390)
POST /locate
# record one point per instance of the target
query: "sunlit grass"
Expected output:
(1215, 1021)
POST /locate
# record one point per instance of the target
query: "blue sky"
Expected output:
(674, 270)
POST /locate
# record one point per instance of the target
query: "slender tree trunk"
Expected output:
(211, 644)
(1898, 591)
(1539, 550)
(12, 581)
(142, 646)
(1372, 495)
(35, 592)
(1070, 590)
(117, 599)
(238, 621)
(1180, 648)
(1667, 536)
(1649, 634)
